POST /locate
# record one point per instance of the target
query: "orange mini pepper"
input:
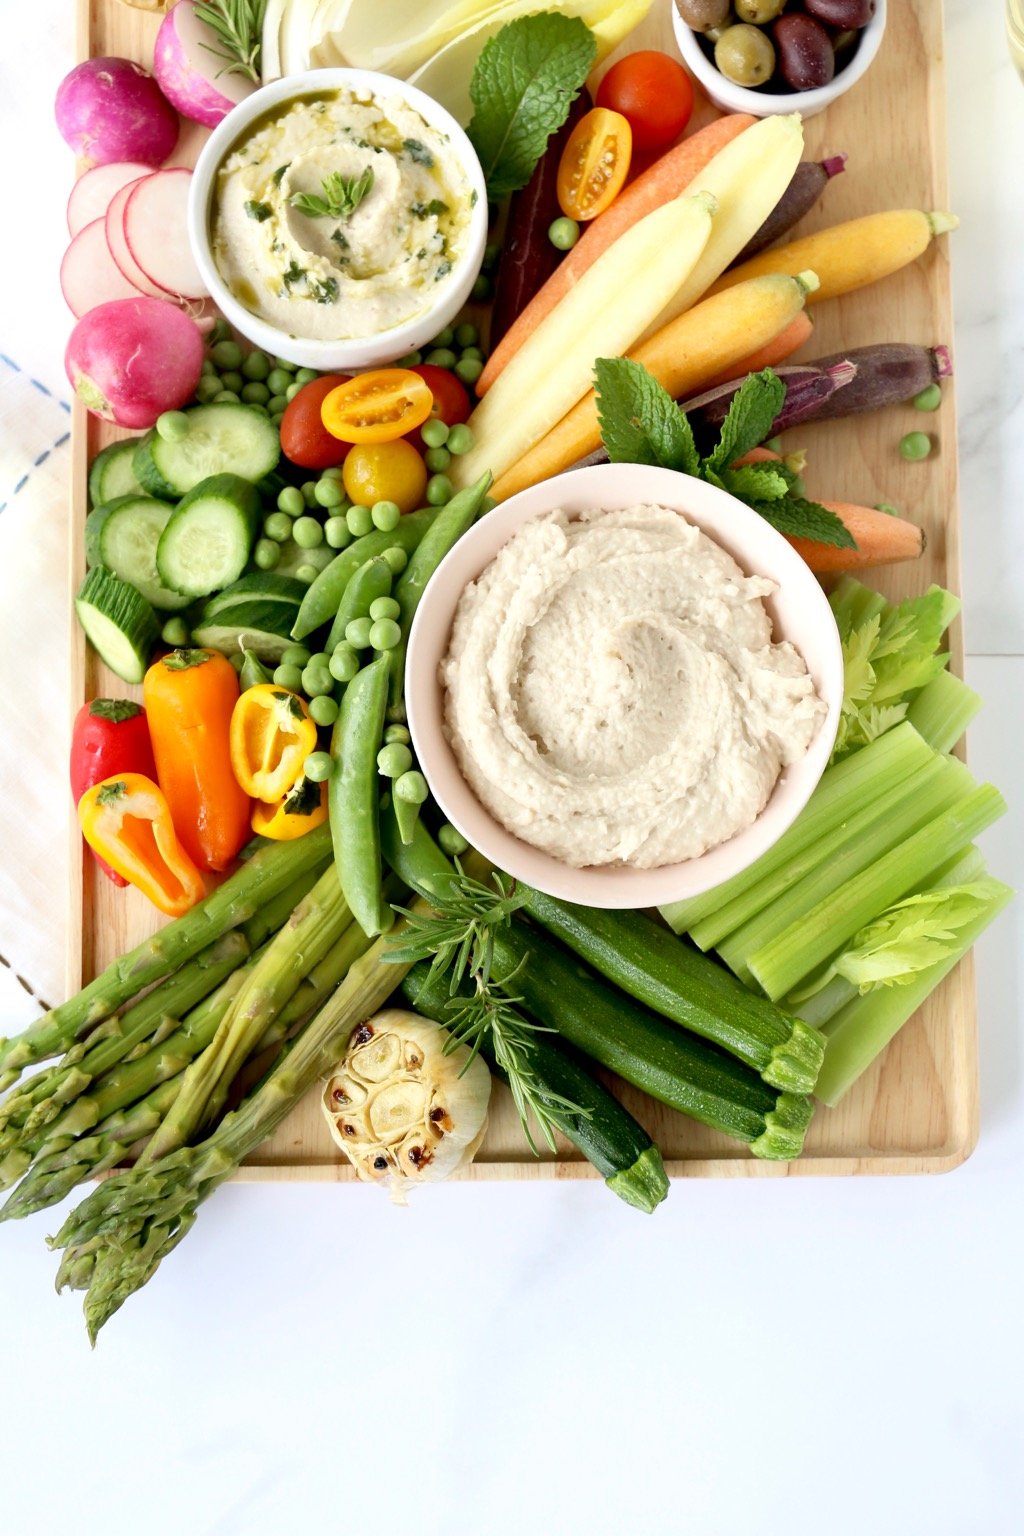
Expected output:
(126, 821)
(189, 696)
(271, 737)
(296, 813)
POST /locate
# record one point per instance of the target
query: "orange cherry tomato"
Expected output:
(377, 407)
(594, 164)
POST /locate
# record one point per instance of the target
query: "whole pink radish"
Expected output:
(111, 109)
(132, 359)
(189, 69)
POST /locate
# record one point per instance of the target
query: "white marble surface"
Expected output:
(797, 1356)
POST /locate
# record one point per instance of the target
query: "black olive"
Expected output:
(380, 1162)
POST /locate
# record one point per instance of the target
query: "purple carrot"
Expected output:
(809, 387)
(887, 374)
(810, 179)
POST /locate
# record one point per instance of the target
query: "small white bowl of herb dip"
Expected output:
(338, 218)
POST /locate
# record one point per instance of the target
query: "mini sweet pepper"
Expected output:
(296, 813)
(271, 737)
(126, 820)
(110, 736)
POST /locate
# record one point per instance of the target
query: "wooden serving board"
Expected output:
(916, 1111)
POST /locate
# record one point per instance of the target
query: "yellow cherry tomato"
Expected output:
(377, 407)
(594, 164)
(385, 472)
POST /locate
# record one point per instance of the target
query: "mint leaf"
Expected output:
(755, 482)
(802, 519)
(523, 84)
(342, 196)
(640, 422)
(754, 408)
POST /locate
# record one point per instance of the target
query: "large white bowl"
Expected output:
(729, 97)
(365, 351)
(800, 613)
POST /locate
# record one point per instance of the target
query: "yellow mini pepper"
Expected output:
(126, 820)
(296, 813)
(271, 737)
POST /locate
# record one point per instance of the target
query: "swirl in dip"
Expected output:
(613, 693)
(340, 215)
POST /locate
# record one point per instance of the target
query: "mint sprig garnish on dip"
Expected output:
(523, 84)
(342, 196)
(642, 424)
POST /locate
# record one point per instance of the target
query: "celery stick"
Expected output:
(943, 710)
(861, 1030)
(942, 785)
(897, 801)
(844, 788)
(854, 604)
(801, 947)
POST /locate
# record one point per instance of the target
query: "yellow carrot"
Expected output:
(706, 341)
(851, 255)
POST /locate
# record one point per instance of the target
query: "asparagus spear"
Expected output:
(115, 1240)
(238, 899)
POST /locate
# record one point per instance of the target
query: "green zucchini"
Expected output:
(667, 974)
(607, 1135)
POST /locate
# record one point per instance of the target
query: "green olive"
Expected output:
(759, 11)
(745, 56)
(701, 14)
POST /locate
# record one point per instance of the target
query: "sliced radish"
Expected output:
(113, 224)
(189, 68)
(156, 233)
(89, 275)
(91, 193)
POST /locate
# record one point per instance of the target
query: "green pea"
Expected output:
(344, 664)
(278, 381)
(887, 506)
(266, 554)
(385, 608)
(451, 840)
(306, 376)
(276, 404)
(308, 533)
(336, 532)
(316, 680)
(445, 337)
(226, 394)
(439, 490)
(323, 709)
(397, 733)
(232, 379)
(396, 559)
(256, 366)
(491, 253)
(410, 360)
(442, 357)
(466, 334)
(929, 399)
(357, 634)
(319, 659)
(411, 787)
(563, 234)
(335, 472)
(209, 367)
(276, 417)
(394, 760)
(307, 574)
(461, 439)
(292, 391)
(360, 521)
(384, 634)
(437, 459)
(386, 515)
(309, 492)
(468, 352)
(295, 656)
(916, 445)
(318, 766)
(278, 526)
(774, 445)
(226, 354)
(207, 388)
(481, 290)
(291, 500)
(285, 364)
(468, 369)
(329, 493)
(255, 393)
(434, 432)
(220, 330)
(287, 676)
(175, 632)
(172, 426)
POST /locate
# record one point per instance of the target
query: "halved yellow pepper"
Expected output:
(127, 821)
(298, 812)
(271, 737)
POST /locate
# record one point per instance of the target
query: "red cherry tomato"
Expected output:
(451, 399)
(653, 92)
(304, 438)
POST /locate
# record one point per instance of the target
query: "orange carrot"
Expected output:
(665, 179)
(775, 352)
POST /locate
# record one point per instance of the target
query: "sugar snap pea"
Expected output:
(353, 796)
(320, 603)
(371, 581)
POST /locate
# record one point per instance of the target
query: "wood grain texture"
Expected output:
(916, 1110)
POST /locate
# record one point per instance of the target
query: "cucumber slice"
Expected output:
(264, 628)
(223, 438)
(128, 537)
(209, 535)
(111, 473)
(93, 532)
(119, 622)
(266, 586)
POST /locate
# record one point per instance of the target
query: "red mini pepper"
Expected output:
(110, 736)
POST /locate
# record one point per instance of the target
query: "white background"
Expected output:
(781, 1356)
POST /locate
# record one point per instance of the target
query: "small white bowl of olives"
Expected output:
(768, 56)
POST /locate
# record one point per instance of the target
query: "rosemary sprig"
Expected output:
(238, 27)
(342, 196)
(458, 938)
